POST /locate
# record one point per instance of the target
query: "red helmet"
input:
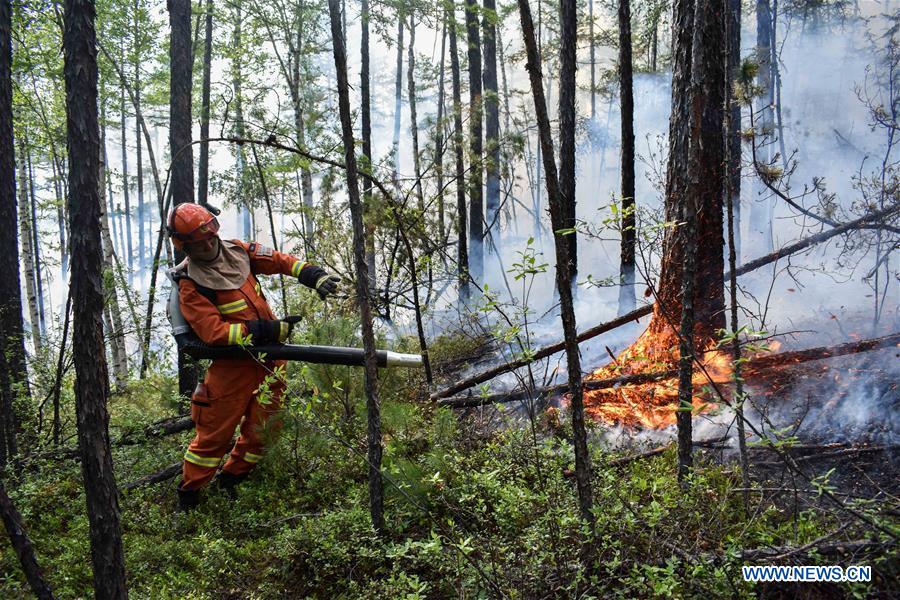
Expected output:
(189, 222)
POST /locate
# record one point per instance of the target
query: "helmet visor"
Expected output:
(203, 232)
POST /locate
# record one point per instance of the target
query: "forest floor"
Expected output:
(471, 511)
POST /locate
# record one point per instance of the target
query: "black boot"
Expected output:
(188, 500)
(227, 482)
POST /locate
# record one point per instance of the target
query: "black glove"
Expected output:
(266, 331)
(318, 279)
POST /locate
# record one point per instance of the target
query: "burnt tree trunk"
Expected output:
(376, 501)
(491, 124)
(22, 547)
(709, 299)
(182, 181)
(91, 383)
(13, 374)
(626, 102)
(568, 36)
(203, 167)
(563, 276)
(462, 247)
(476, 199)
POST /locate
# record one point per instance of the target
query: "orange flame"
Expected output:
(652, 405)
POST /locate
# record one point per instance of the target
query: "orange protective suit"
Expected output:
(229, 395)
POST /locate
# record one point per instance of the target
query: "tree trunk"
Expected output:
(593, 62)
(13, 373)
(558, 216)
(129, 247)
(203, 169)
(240, 131)
(398, 95)
(28, 249)
(91, 383)
(762, 206)
(462, 249)
(567, 65)
(111, 301)
(709, 299)
(182, 179)
(366, 109)
(376, 502)
(413, 122)
(626, 103)
(22, 547)
(733, 120)
(439, 129)
(142, 216)
(492, 124)
(36, 244)
(476, 199)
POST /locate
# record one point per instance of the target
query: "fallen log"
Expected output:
(834, 549)
(158, 477)
(169, 426)
(624, 460)
(752, 366)
(636, 314)
(787, 359)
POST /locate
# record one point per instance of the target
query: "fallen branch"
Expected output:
(618, 462)
(835, 549)
(753, 366)
(646, 310)
(158, 477)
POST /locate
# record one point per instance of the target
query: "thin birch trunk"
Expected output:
(28, 250)
(413, 123)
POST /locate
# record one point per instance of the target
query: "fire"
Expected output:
(652, 405)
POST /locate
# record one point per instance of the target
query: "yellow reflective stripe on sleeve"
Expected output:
(258, 289)
(298, 266)
(202, 461)
(252, 458)
(232, 307)
(234, 333)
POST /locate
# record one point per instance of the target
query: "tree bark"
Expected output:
(462, 247)
(13, 373)
(626, 102)
(182, 178)
(366, 109)
(567, 64)
(28, 249)
(91, 384)
(376, 502)
(476, 197)
(709, 299)
(733, 121)
(23, 548)
(203, 168)
(492, 124)
(558, 216)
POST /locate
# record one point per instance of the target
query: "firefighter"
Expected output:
(221, 298)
